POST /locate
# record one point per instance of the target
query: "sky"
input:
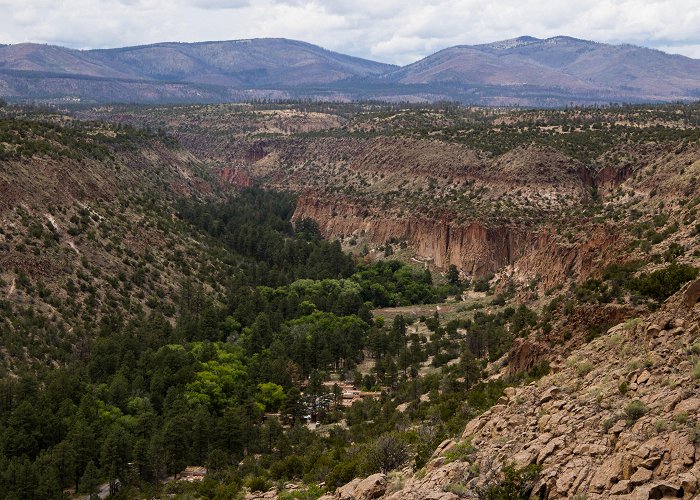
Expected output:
(392, 31)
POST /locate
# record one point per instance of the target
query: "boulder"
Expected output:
(676, 331)
(347, 491)
(371, 487)
(607, 473)
(643, 377)
(689, 406)
(664, 489)
(549, 394)
(621, 488)
(550, 448)
(641, 476)
(653, 330)
(525, 457)
(691, 296)
(689, 483)
(618, 427)
(443, 448)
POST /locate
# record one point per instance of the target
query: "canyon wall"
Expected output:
(475, 248)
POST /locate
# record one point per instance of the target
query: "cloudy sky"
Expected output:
(396, 31)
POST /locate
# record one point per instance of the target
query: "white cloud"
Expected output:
(388, 30)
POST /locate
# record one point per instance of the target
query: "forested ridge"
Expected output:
(230, 383)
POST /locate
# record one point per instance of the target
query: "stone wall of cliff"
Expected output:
(475, 248)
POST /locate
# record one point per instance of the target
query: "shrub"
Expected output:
(514, 483)
(396, 481)
(457, 488)
(660, 425)
(584, 368)
(681, 418)
(389, 452)
(482, 285)
(258, 484)
(665, 282)
(623, 387)
(696, 370)
(461, 451)
(694, 434)
(608, 423)
(635, 410)
(674, 251)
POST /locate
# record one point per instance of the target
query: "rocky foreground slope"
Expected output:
(617, 419)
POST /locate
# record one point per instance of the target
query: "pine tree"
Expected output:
(453, 275)
(114, 456)
(292, 407)
(90, 482)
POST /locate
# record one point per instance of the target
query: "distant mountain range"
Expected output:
(520, 71)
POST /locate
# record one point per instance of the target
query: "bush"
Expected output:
(681, 418)
(457, 488)
(461, 451)
(674, 251)
(483, 285)
(661, 426)
(608, 423)
(663, 283)
(342, 473)
(584, 368)
(623, 387)
(390, 452)
(696, 370)
(694, 434)
(635, 410)
(258, 484)
(514, 483)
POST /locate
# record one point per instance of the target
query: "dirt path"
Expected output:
(11, 290)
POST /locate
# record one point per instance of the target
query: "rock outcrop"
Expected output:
(236, 177)
(368, 488)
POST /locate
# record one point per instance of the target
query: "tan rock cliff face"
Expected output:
(236, 177)
(474, 248)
